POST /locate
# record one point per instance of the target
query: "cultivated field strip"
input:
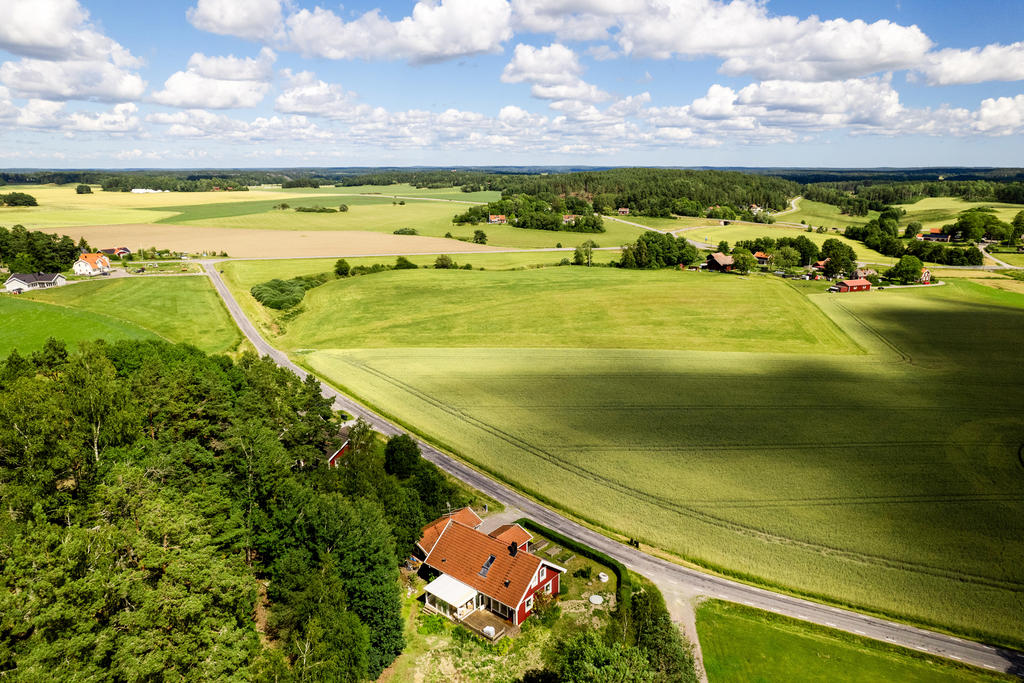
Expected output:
(674, 506)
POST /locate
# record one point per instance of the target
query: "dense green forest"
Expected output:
(24, 251)
(525, 211)
(169, 515)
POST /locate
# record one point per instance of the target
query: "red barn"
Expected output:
(860, 285)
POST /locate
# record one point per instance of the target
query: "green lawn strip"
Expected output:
(667, 224)
(28, 324)
(741, 643)
(1014, 259)
(198, 212)
(179, 309)
(248, 273)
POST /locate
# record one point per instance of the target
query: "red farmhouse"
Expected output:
(483, 573)
(860, 285)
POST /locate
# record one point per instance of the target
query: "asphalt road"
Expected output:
(672, 579)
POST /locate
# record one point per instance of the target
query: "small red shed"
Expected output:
(858, 285)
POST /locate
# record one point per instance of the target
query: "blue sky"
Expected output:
(220, 83)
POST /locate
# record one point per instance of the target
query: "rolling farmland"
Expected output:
(753, 446)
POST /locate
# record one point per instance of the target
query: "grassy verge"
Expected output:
(744, 644)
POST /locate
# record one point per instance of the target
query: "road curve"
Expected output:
(670, 578)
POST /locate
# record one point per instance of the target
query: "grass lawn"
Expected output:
(735, 232)
(934, 212)
(819, 213)
(28, 324)
(767, 444)
(433, 219)
(179, 309)
(743, 644)
(1011, 258)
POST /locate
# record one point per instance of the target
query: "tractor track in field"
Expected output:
(677, 582)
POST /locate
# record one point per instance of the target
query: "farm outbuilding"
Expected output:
(859, 285)
(720, 261)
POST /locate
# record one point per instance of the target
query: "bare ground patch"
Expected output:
(239, 242)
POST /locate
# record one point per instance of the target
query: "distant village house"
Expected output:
(21, 282)
(762, 258)
(497, 219)
(623, 210)
(934, 235)
(92, 264)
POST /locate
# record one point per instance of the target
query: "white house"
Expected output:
(20, 282)
(91, 264)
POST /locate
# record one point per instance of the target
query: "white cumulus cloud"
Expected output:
(219, 82)
(554, 73)
(64, 80)
(251, 19)
(977, 65)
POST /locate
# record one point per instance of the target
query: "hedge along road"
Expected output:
(675, 581)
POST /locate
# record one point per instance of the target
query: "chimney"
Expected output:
(513, 549)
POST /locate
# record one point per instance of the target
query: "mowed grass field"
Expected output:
(60, 205)
(400, 190)
(819, 213)
(857, 448)
(934, 212)
(26, 325)
(735, 232)
(582, 308)
(432, 219)
(741, 644)
(178, 309)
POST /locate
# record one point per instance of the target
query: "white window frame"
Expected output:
(528, 604)
(542, 573)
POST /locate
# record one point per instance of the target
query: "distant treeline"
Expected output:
(535, 213)
(856, 198)
(660, 192)
(24, 251)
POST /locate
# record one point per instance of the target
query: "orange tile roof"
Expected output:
(760, 254)
(511, 533)
(94, 260)
(461, 553)
(855, 283)
(433, 531)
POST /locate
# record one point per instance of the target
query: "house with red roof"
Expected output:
(820, 265)
(477, 575)
(568, 218)
(762, 258)
(623, 210)
(934, 235)
(91, 264)
(497, 219)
